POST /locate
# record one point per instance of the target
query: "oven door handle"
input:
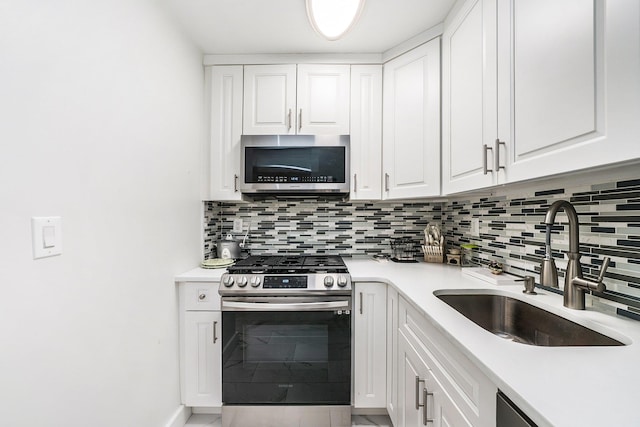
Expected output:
(298, 306)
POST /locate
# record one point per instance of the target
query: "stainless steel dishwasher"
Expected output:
(509, 415)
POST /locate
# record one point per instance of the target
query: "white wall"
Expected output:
(101, 124)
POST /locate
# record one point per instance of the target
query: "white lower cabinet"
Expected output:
(392, 354)
(423, 399)
(202, 371)
(370, 308)
(200, 345)
(429, 367)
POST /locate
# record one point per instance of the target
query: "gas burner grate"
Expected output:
(289, 264)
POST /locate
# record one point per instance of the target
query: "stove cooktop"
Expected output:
(289, 264)
(292, 274)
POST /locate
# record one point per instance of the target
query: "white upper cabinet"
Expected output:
(469, 104)
(411, 124)
(225, 107)
(570, 98)
(533, 88)
(269, 99)
(366, 132)
(323, 99)
(306, 100)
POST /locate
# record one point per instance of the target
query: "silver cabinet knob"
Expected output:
(202, 296)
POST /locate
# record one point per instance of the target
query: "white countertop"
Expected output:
(555, 386)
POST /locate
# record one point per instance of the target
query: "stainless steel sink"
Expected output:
(521, 322)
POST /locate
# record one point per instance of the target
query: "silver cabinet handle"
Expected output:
(425, 407)
(235, 183)
(386, 182)
(215, 336)
(498, 144)
(300, 121)
(485, 168)
(289, 127)
(418, 381)
(355, 182)
(360, 302)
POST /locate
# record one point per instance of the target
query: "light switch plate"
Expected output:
(47, 236)
(237, 225)
(475, 227)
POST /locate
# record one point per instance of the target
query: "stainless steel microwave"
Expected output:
(294, 164)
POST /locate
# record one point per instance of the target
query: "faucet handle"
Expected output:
(593, 285)
(603, 269)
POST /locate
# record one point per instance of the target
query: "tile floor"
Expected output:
(205, 420)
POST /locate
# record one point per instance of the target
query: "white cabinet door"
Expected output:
(411, 124)
(323, 99)
(469, 103)
(559, 86)
(392, 354)
(570, 98)
(441, 408)
(370, 345)
(225, 130)
(202, 361)
(412, 371)
(290, 99)
(366, 132)
(423, 400)
(269, 99)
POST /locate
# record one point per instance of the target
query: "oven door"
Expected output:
(286, 350)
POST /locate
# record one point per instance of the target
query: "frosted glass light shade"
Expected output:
(332, 19)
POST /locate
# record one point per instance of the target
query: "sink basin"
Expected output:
(521, 322)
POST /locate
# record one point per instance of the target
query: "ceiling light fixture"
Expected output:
(332, 19)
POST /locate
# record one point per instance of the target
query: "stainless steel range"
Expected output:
(286, 342)
(281, 275)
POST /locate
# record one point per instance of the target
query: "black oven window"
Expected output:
(295, 165)
(286, 343)
(286, 357)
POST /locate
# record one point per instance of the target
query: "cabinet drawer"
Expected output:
(472, 391)
(200, 296)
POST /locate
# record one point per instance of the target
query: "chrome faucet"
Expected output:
(575, 284)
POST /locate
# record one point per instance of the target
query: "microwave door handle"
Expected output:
(301, 306)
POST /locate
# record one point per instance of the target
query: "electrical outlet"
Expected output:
(237, 225)
(475, 227)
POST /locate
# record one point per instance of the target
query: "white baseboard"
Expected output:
(369, 411)
(179, 417)
(217, 410)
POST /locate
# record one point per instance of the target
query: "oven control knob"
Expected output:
(255, 281)
(342, 281)
(328, 281)
(242, 282)
(228, 281)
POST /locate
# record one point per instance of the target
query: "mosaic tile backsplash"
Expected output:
(511, 229)
(318, 227)
(512, 232)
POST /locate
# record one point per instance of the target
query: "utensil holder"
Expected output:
(434, 254)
